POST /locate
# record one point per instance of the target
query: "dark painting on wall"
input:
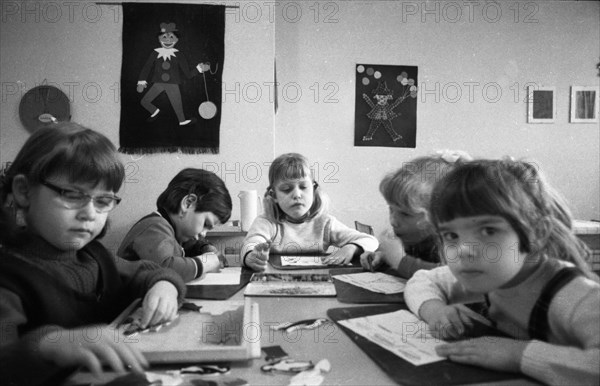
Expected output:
(171, 78)
(385, 106)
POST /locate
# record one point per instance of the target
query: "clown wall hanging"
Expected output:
(385, 106)
(171, 78)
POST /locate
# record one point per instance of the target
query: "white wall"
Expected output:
(559, 49)
(83, 52)
(548, 43)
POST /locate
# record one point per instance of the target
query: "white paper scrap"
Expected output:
(227, 276)
(375, 281)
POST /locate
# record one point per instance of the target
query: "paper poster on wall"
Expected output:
(385, 105)
(171, 78)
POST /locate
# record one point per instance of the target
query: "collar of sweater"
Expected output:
(34, 246)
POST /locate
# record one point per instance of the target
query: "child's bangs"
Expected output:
(466, 193)
(85, 161)
(294, 170)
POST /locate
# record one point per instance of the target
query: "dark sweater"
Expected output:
(44, 289)
(152, 238)
(422, 255)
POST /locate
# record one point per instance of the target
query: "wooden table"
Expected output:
(349, 364)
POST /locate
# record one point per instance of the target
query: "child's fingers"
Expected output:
(377, 260)
(109, 355)
(365, 260)
(262, 246)
(141, 359)
(149, 310)
(464, 317)
(88, 360)
(462, 352)
(131, 357)
(454, 326)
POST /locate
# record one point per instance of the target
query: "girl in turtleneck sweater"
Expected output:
(59, 287)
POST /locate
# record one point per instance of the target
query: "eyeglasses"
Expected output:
(75, 199)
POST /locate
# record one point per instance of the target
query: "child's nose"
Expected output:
(88, 211)
(468, 250)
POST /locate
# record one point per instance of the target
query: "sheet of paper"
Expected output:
(227, 276)
(300, 261)
(400, 332)
(375, 281)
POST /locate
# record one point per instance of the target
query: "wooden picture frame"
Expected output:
(584, 104)
(541, 104)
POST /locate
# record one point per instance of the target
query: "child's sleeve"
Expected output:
(409, 265)
(157, 243)
(20, 363)
(140, 276)
(439, 284)
(341, 235)
(574, 317)
(261, 231)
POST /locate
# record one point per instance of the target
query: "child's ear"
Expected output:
(21, 189)
(271, 193)
(188, 202)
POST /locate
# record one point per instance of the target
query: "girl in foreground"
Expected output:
(507, 239)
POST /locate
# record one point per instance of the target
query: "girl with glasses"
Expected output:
(56, 279)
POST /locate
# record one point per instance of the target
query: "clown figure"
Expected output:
(382, 112)
(169, 67)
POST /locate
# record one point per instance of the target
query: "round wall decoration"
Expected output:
(42, 106)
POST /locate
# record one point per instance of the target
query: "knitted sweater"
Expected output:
(43, 289)
(314, 236)
(423, 255)
(153, 238)
(572, 352)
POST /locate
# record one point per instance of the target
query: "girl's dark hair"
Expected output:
(212, 194)
(65, 149)
(518, 192)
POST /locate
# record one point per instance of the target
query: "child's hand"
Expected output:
(160, 304)
(341, 256)
(391, 249)
(371, 260)
(91, 347)
(491, 352)
(447, 321)
(257, 259)
(210, 263)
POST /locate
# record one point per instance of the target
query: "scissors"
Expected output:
(306, 324)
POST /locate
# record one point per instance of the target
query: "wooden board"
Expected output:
(221, 331)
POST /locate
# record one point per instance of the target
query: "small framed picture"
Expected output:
(541, 104)
(584, 104)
